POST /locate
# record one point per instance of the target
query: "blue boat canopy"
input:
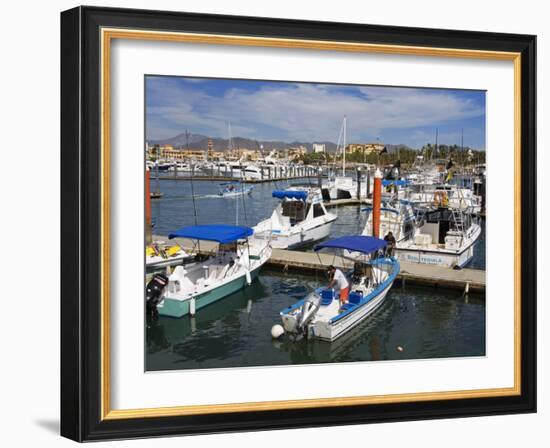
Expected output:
(399, 183)
(222, 233)
(354, 243)
(290, 194)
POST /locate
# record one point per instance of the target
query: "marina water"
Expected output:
(413, 323)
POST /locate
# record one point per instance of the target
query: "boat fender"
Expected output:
(248, 278)
(277, 331)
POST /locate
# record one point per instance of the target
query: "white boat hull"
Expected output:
(297, 237)
(329, 332)
(332, 320)
(440, 257)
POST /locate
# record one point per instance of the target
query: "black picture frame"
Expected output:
(81, 209)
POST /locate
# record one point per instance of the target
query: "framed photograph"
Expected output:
(277, 224)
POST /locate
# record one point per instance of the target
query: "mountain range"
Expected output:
(198, 141)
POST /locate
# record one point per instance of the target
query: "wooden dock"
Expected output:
(413, 273)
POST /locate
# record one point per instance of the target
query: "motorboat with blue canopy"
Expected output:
(230, 261)
(327, 313)
(299, 219)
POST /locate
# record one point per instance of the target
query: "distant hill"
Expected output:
(181, 140)
(198, 141)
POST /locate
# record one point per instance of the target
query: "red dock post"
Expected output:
(148, 228)
(376, 199)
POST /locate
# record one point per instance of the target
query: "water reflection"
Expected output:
(235, 332)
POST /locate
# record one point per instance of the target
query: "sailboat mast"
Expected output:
(344, 148)
(462, 148)
(436, 133)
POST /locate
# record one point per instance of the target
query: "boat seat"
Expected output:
(355, 297)
(347, 306)
(327, 296)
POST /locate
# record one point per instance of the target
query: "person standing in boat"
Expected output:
(339, 282)
(390, 248)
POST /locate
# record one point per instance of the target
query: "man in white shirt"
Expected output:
(340, 283)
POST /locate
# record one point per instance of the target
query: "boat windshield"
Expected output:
(295, 210)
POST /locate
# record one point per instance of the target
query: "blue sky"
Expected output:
(288, 111)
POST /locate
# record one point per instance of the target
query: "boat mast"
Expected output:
(462, 148)
(436, 133)
(344, 148)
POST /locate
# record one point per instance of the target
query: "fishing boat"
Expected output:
(320, 315)
(233, 265)
(299, 219)
(443, 236)
(231, 189)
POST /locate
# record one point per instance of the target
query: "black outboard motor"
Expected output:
(154, 292)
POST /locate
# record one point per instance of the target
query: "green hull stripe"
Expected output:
(179, 308)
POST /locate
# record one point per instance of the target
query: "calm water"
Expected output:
(235, 332)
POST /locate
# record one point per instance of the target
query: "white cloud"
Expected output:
(304, 111)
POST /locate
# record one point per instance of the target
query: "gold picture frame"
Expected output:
(106, 31)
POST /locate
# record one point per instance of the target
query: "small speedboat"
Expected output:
(320, 315)
(230, 190)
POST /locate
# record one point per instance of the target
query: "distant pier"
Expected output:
(234, 179)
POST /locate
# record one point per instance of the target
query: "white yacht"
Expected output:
(181, 167)
(299, 219)
(251, 172)
(442, 236)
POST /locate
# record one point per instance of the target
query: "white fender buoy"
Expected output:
(248, 278)
(277, 331)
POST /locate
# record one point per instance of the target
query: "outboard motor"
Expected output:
(308, 310)
(154, 293)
